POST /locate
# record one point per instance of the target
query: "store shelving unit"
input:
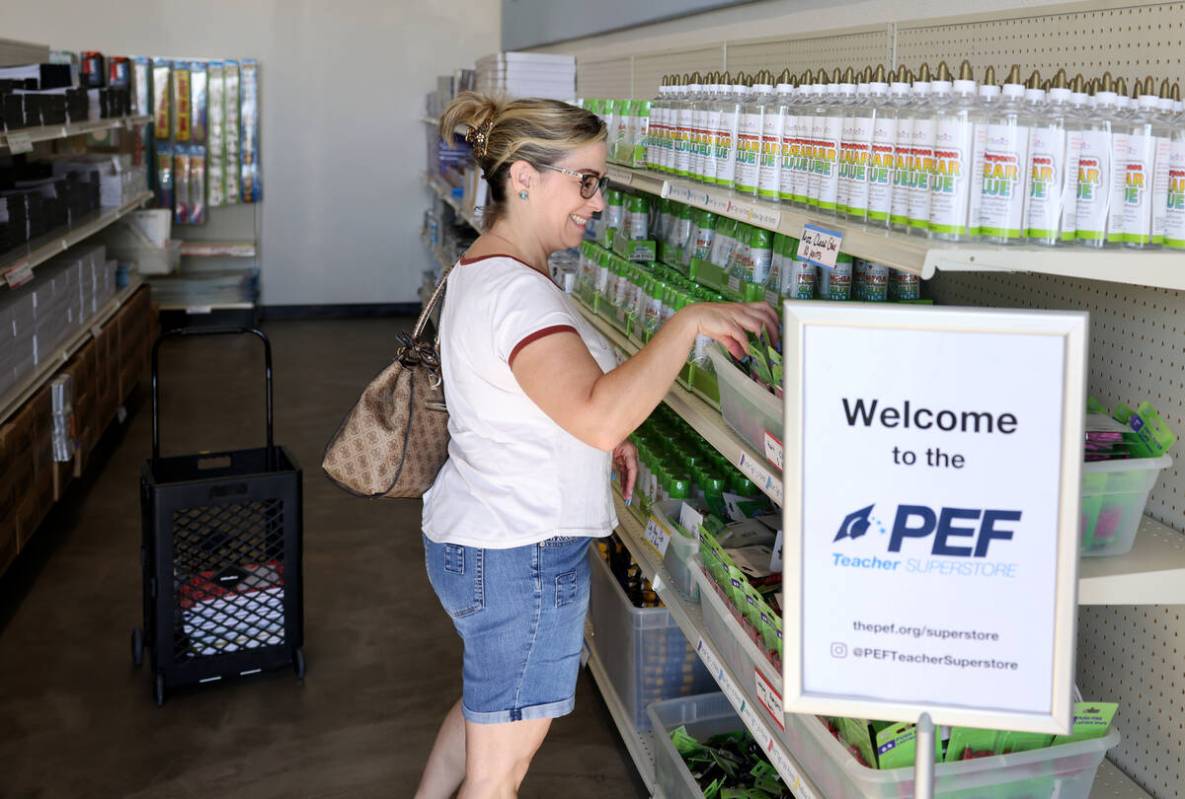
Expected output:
(17, 267)
(921, 256)
(19, 140)
(218, 249)
(1111, 783)
(444, 191)
(1153, 573)
(638, 744)
(16, 396)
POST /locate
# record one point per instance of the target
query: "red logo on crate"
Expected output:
(210, 585)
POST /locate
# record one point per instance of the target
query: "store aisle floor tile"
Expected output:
(383, 661)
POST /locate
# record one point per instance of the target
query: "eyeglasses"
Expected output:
(590, 182)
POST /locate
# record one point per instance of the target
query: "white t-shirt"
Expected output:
(513, 476)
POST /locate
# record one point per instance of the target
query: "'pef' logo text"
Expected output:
(949, 532)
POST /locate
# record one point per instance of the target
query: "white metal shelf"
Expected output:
(689, 617)
(921, 256)
(1110, 783)
(640, 745)
(1153, 573)
(17, 268)
(16, 139)
(16, 396)
(218, 249)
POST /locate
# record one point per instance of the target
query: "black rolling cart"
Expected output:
(220, 555)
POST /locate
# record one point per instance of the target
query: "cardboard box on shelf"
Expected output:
(31, 510)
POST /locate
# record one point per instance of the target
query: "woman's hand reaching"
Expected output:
(625, 461)
(731, 322)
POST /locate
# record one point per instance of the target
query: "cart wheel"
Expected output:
(137, 647)
(298, 663)
(159, 693)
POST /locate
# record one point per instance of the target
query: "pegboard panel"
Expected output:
(604, 78)
(1137, 347)
(1128, 42)
(1136, 656)
(856, 50)
(649, 69)
(1133, 655)
(752, 57)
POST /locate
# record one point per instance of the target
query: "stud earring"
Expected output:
(522, 195)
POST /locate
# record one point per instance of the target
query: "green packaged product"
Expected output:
(968, 744)
(1023, 741)
(637, 218)
(855, 736)
(897, 746)
(1091, 720)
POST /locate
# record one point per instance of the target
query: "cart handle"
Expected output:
(209, 331)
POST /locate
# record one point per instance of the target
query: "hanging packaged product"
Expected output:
(198, 93)
(181, 185)
(162, 94)
(899, 203)
(164, 176)
(921, 148)
(216, 147)
(749, 136)
(1095, 169)
(828, 125)
(197, 184)
(770, 169)
(868, 144)
(1002, 195)
(835, 283)
(1148, 145)
(251, 188)
(181, 102)
(232, 129)
(141, 68)
(954, 146)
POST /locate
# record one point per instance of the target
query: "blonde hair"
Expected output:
(540, 132)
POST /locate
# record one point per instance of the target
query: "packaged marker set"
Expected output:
(206, 128)
(1042, 161)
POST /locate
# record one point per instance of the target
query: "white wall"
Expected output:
(342, 93)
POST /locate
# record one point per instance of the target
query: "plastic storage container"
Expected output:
(704, 716)
(1065, 772)
(680, 556)
(643, 650)
(750, 410)
(1114, 494)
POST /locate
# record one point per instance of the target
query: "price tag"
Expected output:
(717, 204)
(770, 699)
(774, 451)
(19, 143)
(819, 245)
(766, 217)
(199, 310)
(621, 177)
(761, 476)
(657, 536)
(19, 275)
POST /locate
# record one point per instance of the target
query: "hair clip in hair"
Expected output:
(478, 138)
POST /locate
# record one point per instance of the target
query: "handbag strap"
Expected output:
(430, 306)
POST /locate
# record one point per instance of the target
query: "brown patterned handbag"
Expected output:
(395, 439)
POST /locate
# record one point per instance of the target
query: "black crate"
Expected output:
(221, 556)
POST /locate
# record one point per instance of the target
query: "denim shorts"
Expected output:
(520, 613)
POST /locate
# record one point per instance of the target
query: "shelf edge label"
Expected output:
(819, 245)
(19, 143)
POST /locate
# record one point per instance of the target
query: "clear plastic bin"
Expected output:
(680, 555)
(704, 716)
(748, 408)
(643, 650)
(1065, 772)
(1114, 494)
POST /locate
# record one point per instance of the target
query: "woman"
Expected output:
(539, 411)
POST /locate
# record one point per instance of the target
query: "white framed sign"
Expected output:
(932, 467)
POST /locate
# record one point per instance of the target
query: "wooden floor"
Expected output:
(383, 660)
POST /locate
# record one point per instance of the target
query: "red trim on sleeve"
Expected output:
(538, 334)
